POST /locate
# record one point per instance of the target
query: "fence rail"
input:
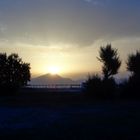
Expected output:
(56, 86)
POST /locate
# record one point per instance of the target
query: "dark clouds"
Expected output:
(68, 21)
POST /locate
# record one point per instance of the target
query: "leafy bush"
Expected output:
(97, 88)
(93, 86)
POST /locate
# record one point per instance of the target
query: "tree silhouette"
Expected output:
(110, 59)
(104, 88)
(3, 68)
(133, 85)
(133, 63)
(14, 72)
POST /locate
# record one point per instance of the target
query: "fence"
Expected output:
(72, 88)
(56, 86)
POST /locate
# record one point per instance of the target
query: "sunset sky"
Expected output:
(67, 34)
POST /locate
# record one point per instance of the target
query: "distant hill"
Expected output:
(52, 79)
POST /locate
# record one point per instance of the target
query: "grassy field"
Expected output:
(67, 116)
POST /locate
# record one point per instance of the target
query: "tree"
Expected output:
(14, 72)
(3, 68)
(133, 85)
(110, 59)
(133, 63)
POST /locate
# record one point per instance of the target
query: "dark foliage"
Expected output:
(92, 86)
(106, 87)
(109, 88)
(110, 59)
(133, 64)
(130, 89)
(132, 86)
(14, 73)
(97, 88)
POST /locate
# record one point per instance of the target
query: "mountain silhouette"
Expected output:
(51, 79)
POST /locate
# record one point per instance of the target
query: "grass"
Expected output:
(67, 116)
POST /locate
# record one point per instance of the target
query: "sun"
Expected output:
(53, 69)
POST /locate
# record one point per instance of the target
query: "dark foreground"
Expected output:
(70, 116)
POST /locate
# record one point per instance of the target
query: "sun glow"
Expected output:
(53, 69)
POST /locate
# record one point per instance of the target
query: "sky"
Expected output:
(67, 34)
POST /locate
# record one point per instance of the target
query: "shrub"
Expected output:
(93, 86)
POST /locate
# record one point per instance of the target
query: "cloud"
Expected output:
(70, 22)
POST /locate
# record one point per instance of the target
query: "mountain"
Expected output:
(51, 79)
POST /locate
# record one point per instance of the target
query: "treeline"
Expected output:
(14, 74)
(106, 87)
